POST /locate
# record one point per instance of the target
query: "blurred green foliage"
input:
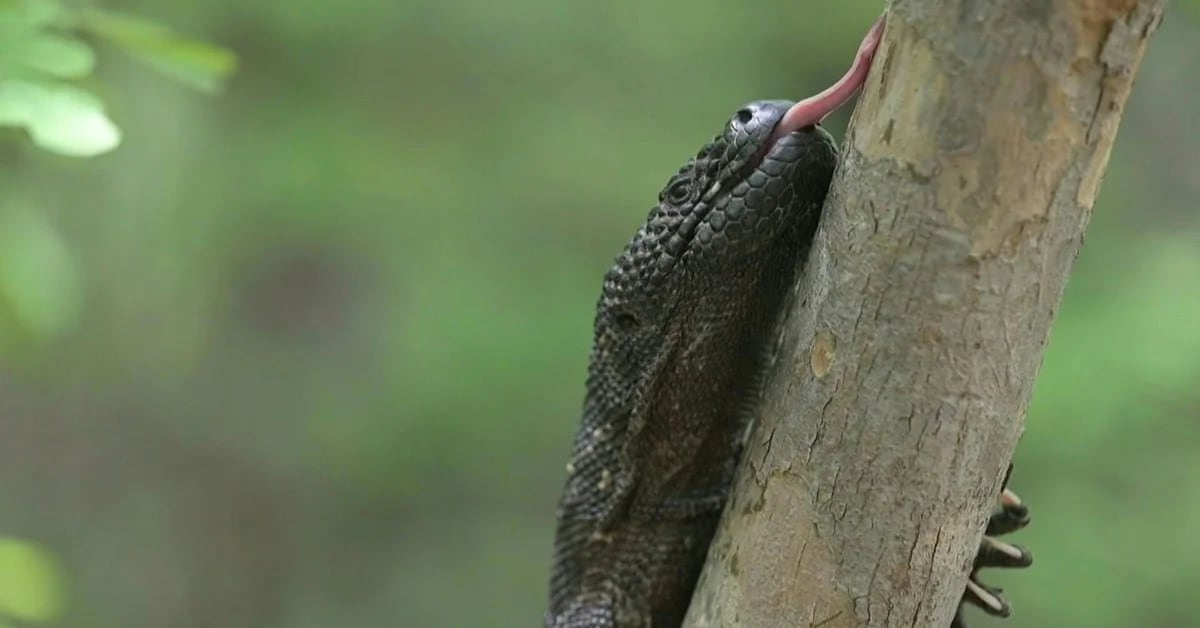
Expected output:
(40, 49)
(39, 281)
(31, 587)
(311, 354)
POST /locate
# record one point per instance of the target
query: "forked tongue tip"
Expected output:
(813, 109)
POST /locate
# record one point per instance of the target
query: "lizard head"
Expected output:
(731, 225)
(728, 203)
(727, 232)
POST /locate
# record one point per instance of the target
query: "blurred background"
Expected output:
(311, 352)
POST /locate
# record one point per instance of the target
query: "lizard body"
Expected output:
(682, 332)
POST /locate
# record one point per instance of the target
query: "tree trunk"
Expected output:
(913, 340)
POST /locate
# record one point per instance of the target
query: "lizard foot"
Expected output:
(1010, 516)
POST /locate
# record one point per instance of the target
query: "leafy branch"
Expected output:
(45, 55)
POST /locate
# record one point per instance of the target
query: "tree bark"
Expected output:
(913, 340)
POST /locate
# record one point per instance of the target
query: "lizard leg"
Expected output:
(1010, 516)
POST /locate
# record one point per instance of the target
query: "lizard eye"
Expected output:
(679, 190)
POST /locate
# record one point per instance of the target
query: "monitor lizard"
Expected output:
(683, 331)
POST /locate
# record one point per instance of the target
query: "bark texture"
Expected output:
(911, 347)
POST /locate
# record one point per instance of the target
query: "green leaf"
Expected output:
(39, 280)
(56, 55)
(195, 63)
(31, 583)
(28, 15)
(59, 118)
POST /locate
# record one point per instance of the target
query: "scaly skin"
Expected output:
(682, 334)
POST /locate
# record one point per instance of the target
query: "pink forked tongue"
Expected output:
(813, 109)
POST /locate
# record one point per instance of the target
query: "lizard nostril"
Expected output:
(745, 115)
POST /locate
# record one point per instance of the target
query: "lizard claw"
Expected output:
(1012, 515)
